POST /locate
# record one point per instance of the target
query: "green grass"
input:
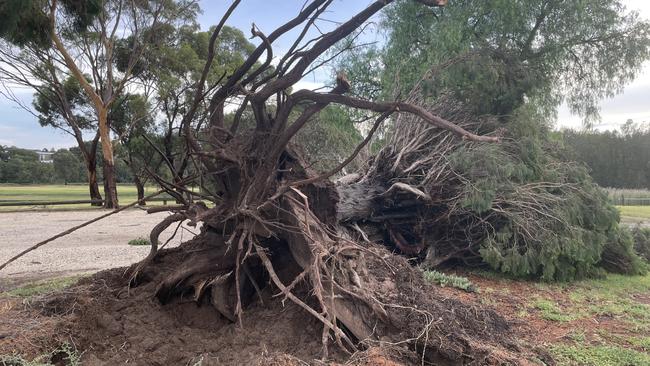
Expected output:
(43, 287)
(10, 192)
(553, 312)
(642, 212)
(610, 297)
(599, 355)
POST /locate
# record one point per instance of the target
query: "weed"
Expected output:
(451, 280)
(139, 241)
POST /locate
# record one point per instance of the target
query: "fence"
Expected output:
(630, 201)
(18, 203)
(629, 197)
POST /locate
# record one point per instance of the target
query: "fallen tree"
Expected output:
(274, 225)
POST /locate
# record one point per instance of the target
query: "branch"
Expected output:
(397, 106)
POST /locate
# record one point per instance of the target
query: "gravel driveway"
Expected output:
(98, 246)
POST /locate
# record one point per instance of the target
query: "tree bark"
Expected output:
(110, 185)
(140, 188)
(92, 182)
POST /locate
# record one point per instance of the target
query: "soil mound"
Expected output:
(110, 322)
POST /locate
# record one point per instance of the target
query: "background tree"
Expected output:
(63, 105)
(68, 168)
(22, 166)
(84, 35)
(615, 159)
(169, 71)
(59, 101)
(131, 120)
(498, 55)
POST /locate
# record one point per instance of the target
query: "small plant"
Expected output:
(139, 241)
(451, 280)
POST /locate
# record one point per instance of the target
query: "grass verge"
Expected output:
(43, 287)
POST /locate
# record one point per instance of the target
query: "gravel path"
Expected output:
(98, 246)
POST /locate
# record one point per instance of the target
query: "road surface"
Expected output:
(101, 245)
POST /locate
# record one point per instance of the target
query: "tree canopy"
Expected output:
(496, 55)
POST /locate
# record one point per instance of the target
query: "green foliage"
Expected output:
(641, 237)
(22, 166)
(329, 138)
(546, 216)
(68, 167)
(499, 55)
(139, 241)
(74, 113)
(26, 21)
(619, 253)
(450, 280)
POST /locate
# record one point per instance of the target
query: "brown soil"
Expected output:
(110, 323)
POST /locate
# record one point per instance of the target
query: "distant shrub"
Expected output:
(450, 280)
(139, 241)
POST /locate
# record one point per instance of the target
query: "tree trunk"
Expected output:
(92, 182)
(90, 160)
(140, 188)
(110, 185)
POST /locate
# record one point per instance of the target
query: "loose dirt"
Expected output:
(110, 323)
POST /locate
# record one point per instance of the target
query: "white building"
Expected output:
(45, 156)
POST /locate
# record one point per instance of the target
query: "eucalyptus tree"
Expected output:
(83, 36)
(168, 72)
(58, 101)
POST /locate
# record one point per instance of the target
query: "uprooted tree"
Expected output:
(276, 223)
(272, 222)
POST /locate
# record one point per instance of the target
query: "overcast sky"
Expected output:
(20, 128)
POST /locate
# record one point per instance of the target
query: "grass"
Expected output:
(450, 280)
(43, 287)
(553, 312)
(10, 192)
(642, 212)
(599, 355)
(608, 297)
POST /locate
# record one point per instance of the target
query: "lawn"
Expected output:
(11, 192)
(604, 322)
(641, 212)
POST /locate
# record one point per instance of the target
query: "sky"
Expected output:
(21, 128)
